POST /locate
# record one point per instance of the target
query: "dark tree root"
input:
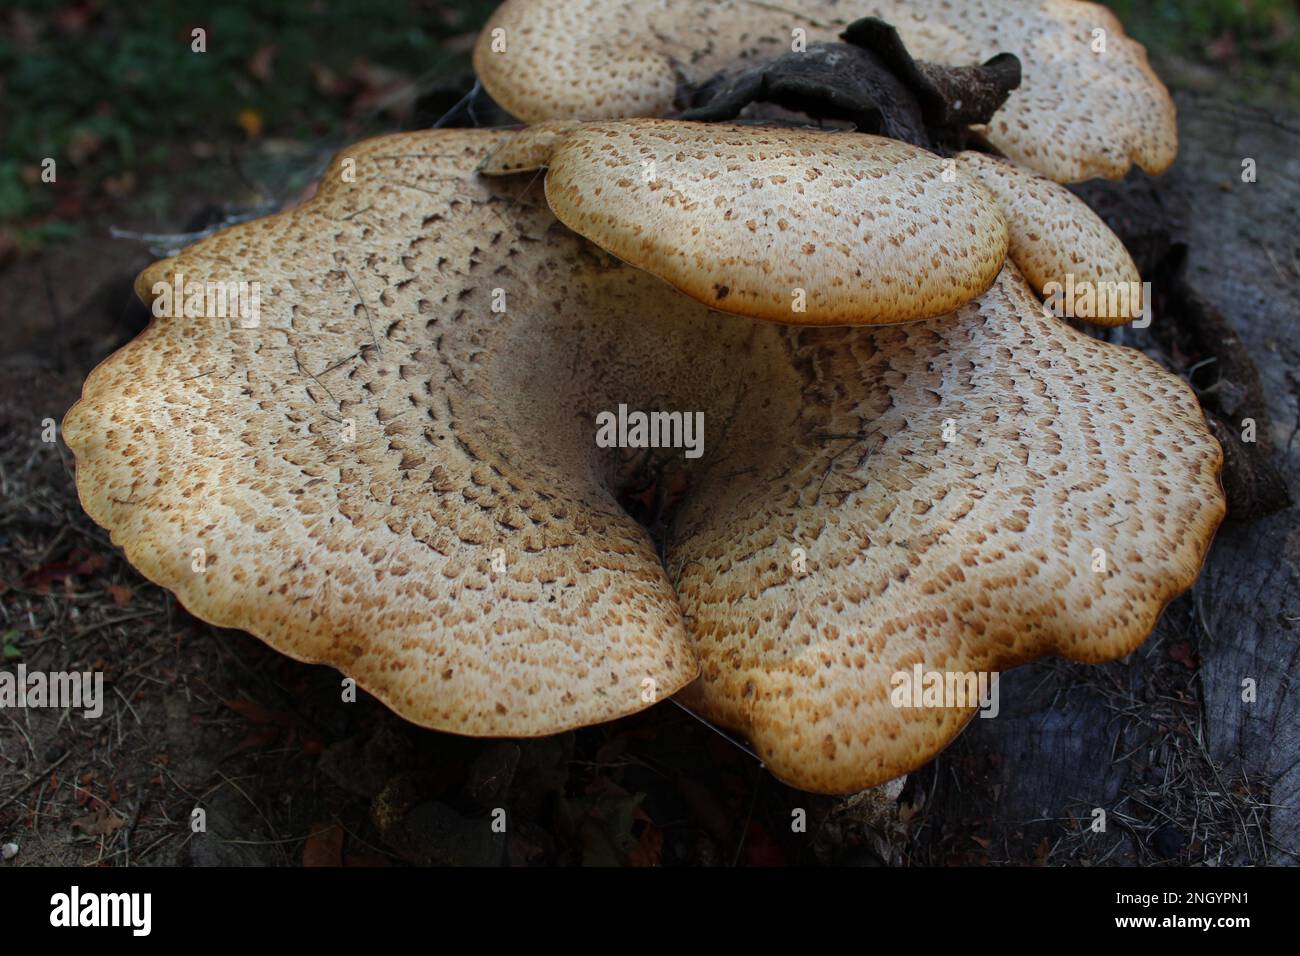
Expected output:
(950, 96)
(871, 81)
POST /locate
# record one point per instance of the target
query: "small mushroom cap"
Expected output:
(962, 556)
(789, 225)
(1083, 109)
(1061, 245)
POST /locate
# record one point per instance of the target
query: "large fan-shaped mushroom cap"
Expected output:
(368, 472)
(393, 470)
(1089, 104)
(968, 494)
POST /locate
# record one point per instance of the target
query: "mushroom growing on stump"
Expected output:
(1088, 105)
(783, 224)
(972, 493)
(1062, 246)
(395, 472)
(814, 228)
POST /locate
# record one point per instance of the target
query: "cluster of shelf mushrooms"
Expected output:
(907, 459)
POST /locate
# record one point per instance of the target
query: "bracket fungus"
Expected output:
(394, 472)
(822, 228)
(1061, 245)
(1088, 105)
(791, 225)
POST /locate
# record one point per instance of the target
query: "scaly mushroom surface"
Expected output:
(784, 224)
(1062, 247)
(395, 473)
(1089, 104)
(813, 228)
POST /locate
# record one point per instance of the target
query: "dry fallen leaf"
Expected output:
(260, 64)
(78, 564)
(82, 145)
(1183, 654)
(121, 595)
(1042, 852)
(102, 822)
(268, 726)
(650, 844)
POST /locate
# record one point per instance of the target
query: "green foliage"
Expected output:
(1255, 41)
(47, 232)
(604, 825)
(1202, 20)
(13, 194)
(126, 80)
(135, 74)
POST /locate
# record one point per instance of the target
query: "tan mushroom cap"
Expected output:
(1079, 113)
(1062, 246)
(357, 466)
(361, 467)
(970, 555)
(789, 225)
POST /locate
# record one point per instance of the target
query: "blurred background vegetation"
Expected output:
(1243, 50)
(113, 91)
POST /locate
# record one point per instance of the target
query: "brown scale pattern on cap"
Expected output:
(1078, 114)
(788, 225)
(475, 431)
(376, 555)
(1054, 235)
(965, 556)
